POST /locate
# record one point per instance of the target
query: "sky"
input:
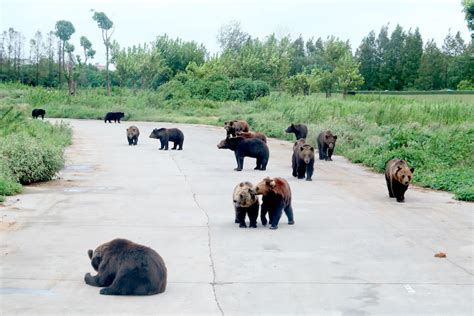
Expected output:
(140, 21)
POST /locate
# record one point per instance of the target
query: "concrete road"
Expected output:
(352, 250)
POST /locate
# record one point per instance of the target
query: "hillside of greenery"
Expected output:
(434, 133)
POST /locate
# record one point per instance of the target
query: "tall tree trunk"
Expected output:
(107, 69)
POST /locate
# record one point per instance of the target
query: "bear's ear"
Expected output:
(292, 125)
(301, 148)
(412, 170)
(242, 184)
(312, 149)
(327, 136)
(90, 252)
(399, 168)
(335, 136)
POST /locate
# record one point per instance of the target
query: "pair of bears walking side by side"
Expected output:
(276, 198)
(126, 268)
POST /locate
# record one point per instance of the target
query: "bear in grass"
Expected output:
(300, 130)
(302, 160)
(245, 203)
(166, 135)
(37, 113)
(126, 268)
(247, 147)
(232, 127)
(113, 116)
(326, 143)
(253, 135)
(276, 198)
(398, 177)
(132, 135)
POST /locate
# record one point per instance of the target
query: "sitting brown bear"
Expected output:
(253, 135)
(302, 160)
(232, 127)
(126, 268)
(245, 203)
(276, 197)
(398, 176)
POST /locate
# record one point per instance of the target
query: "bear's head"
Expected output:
(330, 139)
(403, 174)
(299, 142)
(291, 129)
(157, 133)
(132, 131)
(306, 153)
(120, 114)
(96, 258)
(230, 143)
(265, 186)
(244, 195)
(229, 125)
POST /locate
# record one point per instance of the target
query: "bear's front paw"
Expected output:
(238, 169)
(273, 227)
(88, 279)
(309, 179)
(253, 225)
(400, 200)
(291, 222)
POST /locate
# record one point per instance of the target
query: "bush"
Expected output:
(247, 86)
(30, 160)
(174, 89)
(465, 85)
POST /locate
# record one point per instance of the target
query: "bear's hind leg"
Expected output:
(275, 216)
(289, 214)
(253, 215)
(241, 218)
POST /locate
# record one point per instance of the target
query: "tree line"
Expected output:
(246, 67)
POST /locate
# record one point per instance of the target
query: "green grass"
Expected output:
(434, 133)
(30, 150)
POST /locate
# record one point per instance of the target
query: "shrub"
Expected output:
(247, 86)
(174, 89)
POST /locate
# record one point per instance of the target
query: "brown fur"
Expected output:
(398, 177)
(302, 160)
(245, 203)
(132, 135)
(299, 142)
(276, 197)
(232, 127)
(252, 135)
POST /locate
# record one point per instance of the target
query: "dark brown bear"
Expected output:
(326, 143)
(132, 135)
(113, 116)
(245, 203)
(253, 135)
(126, 268)
(232, 127)
(247, 147)
(302, 160)
(166, 135)
(300, 130)
(398, 176)
(276, 197)
(37, 113)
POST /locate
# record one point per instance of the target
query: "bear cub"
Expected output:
(233, 127)
(38, 112)
(258, 135)
(276, 198)
(132, 135)
(303, 160)
(398, 177)
(247, 147)
(166, 135)
(245, 203)
(126, 268)
(326, 143)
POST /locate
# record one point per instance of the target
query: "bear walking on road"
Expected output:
(300, 130)
(132, 135)
(38, 112)
(398, 177)
(247, 147)
(276, 198)
(302, 160)
(326, 143)
(113, 116)
(245, 203)
(166, 135)
(126, 268)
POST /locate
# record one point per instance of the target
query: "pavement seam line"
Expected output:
(209, 239)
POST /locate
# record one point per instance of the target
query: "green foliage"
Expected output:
(465, 85)
(298, 84)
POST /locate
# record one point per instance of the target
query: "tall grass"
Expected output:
(434, 133)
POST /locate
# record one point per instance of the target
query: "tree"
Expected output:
(322, 80)
(36, 53)
(347, 75)
(298, 60)
(298, 84)
(382, 47)
(87, 47)
(64, 30)
(431, 68)
(69, 70)
(411, 58)
(231, 37)
(469, 15)
(367, 56)
(393, 59)
(105, 24)
(453, 49)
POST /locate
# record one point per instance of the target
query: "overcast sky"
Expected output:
(139, 21)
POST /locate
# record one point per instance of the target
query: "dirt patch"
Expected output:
(6, 226)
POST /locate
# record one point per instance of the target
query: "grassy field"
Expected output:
(434, 133)
(30, 150)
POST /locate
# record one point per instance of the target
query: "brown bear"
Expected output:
(326, 143)
(276, 197)
(300, 141)
(302, 160)
(300, 130)
(247, 147)
(166, 135)
(253, 135)
(245, 203)
(232, 127)
(126, 268)
(132, 135)
(398, 176)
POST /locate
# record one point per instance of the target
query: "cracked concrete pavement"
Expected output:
(352, 250)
